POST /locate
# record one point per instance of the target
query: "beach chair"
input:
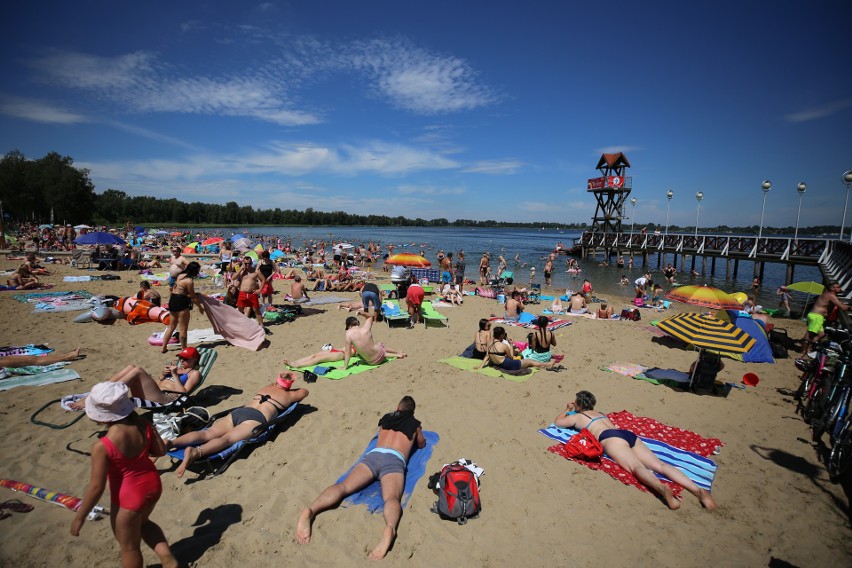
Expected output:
(431, 316)
(205, 363)
(393, 314)
(535, 293)
(80, 257)
(704, 373)
(217, 463)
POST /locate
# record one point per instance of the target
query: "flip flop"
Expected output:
(16, 506)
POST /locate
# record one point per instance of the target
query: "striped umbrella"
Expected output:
(706, 296)
(708, 333)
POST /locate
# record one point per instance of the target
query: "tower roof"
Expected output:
(613, 160)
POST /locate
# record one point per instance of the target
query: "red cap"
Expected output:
(189, 353)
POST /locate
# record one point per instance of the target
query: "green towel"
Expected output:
(57, 376)
(466, 364)
(337, 372)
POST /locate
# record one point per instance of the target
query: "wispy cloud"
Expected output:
(429, 190)
(38, 111)
(823, 111)
(494, 167)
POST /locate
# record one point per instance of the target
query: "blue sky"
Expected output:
(479, 110)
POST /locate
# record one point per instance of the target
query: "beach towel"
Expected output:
(626, 369)
(234, 326)
(337, 372)
(668, 377)
(371, 496)
(48, 296)
(39, 379)
(204, 335)
(680, 448)
(466, 364)
(62, 306)
(6, 372)
(325, 300)
(30, 349)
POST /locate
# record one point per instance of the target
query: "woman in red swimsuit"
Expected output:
(123, 457)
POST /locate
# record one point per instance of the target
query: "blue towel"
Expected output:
(371, 496)
(699, 469)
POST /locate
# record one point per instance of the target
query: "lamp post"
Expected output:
(632, 215)
(801, 188)
(847, 179)
(698, 197)
(669, 195)
(765, 186)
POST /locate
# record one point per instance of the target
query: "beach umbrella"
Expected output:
(808, 287)
(258, 248)
(346, 246)
(706, 296)
(212, 241)
(45, 226)
(237, 237)
(409, 259)
(78, 227)
(191, 248)
(276, 254)
(161, 232)
(252, 255)
(740, 297)
(99, 238)
(707, 332)
(242, 244)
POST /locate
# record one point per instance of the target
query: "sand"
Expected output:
(775, 497)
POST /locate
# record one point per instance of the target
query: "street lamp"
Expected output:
(669, 195)
(632, 215)
(847, 179)
(801, 188)
(698, 196)
(765, 186)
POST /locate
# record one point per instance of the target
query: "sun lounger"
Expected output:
(218, 463)
(393, 314)
(205, 363)
(431, 316)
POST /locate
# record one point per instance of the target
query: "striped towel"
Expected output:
(682, 449)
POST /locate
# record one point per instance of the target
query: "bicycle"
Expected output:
(813, 389)
(838, 393)
(840, 458)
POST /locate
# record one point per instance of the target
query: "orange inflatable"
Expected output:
(141, 311)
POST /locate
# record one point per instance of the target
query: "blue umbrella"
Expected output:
(99, 238)
(237, 237)
(276, 254)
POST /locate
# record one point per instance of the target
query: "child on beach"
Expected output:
(134, 483)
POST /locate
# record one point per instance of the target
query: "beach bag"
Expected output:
(458, 494)
(583, 446)
(631, 314)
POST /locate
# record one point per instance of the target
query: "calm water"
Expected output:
(533, 246)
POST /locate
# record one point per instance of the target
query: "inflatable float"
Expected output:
(142, 311)
(101, 312)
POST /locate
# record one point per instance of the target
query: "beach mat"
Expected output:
(203, 335)
(46, 296)
(624, 368)
(39, 379)
(62, 306)
(466, 364)
(371, 496)
(318, 301)
(337, 372)
(680, 448)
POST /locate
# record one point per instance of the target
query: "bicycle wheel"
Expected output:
(841, 455)
(814, 403)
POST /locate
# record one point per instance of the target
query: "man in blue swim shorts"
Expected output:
(399, 431)
(627, 450)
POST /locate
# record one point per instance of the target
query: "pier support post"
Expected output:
(762, 266)
(704, 266)
(736, 267)
(790, 269)
(727, 269)
(713, 266)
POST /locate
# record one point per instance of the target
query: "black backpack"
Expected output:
(458, 494)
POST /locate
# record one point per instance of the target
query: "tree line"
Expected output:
(31, 189)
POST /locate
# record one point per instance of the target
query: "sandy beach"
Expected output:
(776, 503)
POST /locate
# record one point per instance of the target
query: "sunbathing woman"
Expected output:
(628, 451)
(540, 342)
(324, 356)
(482, 339)
(501, 355)
(180, 378)
(17, 361)
(23, 279)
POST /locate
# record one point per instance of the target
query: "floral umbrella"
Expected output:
(408, 259)
(706, 296)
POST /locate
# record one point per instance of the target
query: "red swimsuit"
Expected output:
(133, 482)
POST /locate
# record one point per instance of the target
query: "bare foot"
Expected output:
(303, 526)
(671, 501)
(707, 500)
(189, 455)
(74, 354)
(286, 363)
(381, 549)
(79, 404)
(403, 355)
(165, 349)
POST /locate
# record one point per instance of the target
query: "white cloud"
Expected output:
(823, 111)
(38, 111)
(495, 167)
(429, 190)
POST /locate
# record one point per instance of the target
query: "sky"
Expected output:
(475, 110)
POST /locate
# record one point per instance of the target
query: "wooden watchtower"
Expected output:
(611, 190)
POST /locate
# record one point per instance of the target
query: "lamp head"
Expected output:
(847, 177)
(802, 188)
(699, 196)
(670, 194)
(633, 201)
(766, 185)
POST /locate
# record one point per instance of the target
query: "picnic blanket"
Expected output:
(371, 496)
(50, 296)
(39, 379)
(680, 448)
(337, 372)
(466, 364)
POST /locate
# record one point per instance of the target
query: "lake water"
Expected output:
(533, 246)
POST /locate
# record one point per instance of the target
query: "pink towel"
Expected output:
(233, 325)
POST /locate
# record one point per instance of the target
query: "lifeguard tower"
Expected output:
(611, 190)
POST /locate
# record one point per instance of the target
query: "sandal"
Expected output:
(16, 506)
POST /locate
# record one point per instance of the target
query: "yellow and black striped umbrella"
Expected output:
(707, 332)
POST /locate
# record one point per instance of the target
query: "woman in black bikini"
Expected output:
(482, 339)
(180, 303)
(501, 355)
(628, 451)
(540, 342)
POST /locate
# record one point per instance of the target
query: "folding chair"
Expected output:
(535, 293)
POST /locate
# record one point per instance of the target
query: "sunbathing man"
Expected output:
(578, 304)
(17, 361)
(399, 431)
(628, 451)
(360, 339)
(239, 424)
(298, 292)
